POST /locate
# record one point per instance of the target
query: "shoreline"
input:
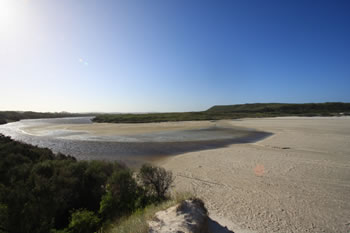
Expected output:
(132, 144)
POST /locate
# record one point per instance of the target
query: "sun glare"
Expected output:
(13, 19)
(6, 10)
(7, 15)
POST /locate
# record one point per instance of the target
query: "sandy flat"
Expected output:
(297, 180)
(108, 129)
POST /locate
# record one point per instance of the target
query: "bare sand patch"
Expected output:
(297, 180)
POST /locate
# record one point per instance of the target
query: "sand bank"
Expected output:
(108, 129)
(297, 180)
(133, 144)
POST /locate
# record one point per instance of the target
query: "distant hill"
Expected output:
(217, 112)
(281, 108)
(10, 116)
(220, 112)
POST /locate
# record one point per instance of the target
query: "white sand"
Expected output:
(297, 180)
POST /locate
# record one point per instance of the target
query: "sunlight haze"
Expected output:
(145, 56)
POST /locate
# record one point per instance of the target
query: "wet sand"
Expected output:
(108, 129)
(132, 144)
(297, 180)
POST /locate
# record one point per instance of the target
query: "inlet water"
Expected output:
(131, 149)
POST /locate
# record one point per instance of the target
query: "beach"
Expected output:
(297, 180)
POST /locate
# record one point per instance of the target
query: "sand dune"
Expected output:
(297, 180)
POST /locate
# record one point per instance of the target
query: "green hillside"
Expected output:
(280, 108)
(220, 112)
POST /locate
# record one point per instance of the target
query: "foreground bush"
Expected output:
(121, 195)
(84, 221)
(156, 179)
(39, 191)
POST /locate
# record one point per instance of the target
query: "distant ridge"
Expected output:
(283, 108)
(10, 116)
(220, 112)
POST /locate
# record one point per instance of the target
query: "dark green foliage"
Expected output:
(38, 189)
(121, 196)
(279, 108)
(3, 217)
(156, 179)
(42, 192)
(233, 112)
(84, 221)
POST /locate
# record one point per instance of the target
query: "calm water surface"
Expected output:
(131, 149)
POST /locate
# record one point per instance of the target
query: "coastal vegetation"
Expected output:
(137, 222)
(44, 192)
(217, 112)
(221, 112)
(10, 116)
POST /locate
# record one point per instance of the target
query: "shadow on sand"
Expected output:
(217, 228)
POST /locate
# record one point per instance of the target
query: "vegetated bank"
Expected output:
(11, 116)
(43, 192)
(221, 112)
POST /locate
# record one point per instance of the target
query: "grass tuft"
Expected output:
(137, 222)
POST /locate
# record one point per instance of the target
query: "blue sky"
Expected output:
(171, 55)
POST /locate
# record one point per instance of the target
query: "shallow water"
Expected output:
(131, 149)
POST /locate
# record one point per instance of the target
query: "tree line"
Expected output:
(10, 116)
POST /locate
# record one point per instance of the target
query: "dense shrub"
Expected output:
(38, 190)
(156, 180)
(42, 192)
(84, 221)
(121, 195)
(3, 217)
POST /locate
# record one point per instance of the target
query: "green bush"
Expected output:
(39, 190)
(3, 217)
(84, 221)
(156, 180)
(121, 196)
